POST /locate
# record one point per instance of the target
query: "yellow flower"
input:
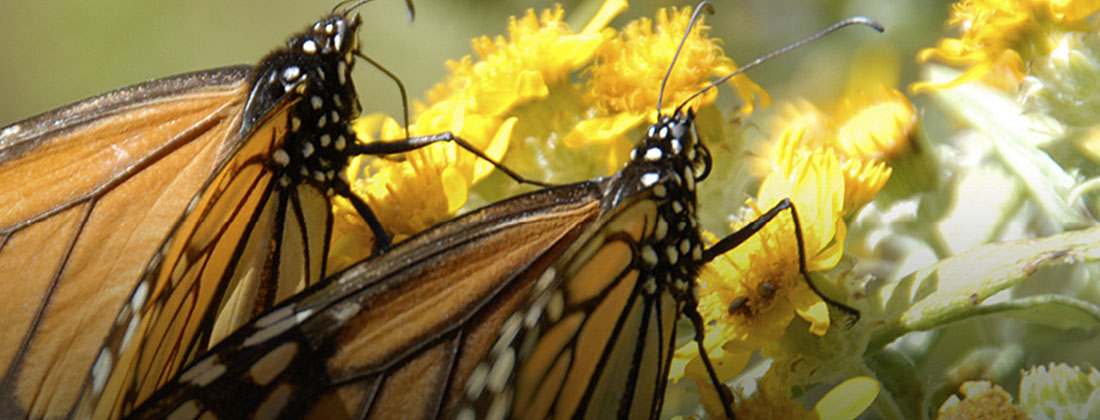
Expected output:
(867, 130)
(625, 82)
(1001, 36)
(876, 126)
(804, 127)
(538, 53)
(862, 181)
(752, 292)
(982, 401)
(412, 192)
(749, 295)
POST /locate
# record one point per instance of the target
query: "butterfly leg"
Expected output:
(413, 143)
(736, 238)
(732, 241)
(381, 238)
(724, 393)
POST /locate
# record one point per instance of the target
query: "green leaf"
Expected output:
(955, 288)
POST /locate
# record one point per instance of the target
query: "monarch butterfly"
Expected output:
(249, 156)
(561, 302)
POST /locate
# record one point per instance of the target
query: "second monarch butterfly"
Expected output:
(250, 156)
(559, 303)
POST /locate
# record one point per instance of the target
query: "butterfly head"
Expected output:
(670, 145)
(312, 74)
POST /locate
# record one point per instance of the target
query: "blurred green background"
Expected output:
(58, 52)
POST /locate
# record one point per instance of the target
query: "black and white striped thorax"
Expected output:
(669, 162)
(313, 72)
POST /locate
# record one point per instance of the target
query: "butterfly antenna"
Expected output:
(855, 20)
(691, 24)
(356, 3)
(400, 87)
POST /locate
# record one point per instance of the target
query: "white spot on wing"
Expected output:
(100, 370)
(649, 179)
(204, 372)
(274, 403)
(501, 405)
(660, 191)
(662, 228)
(466, 413)
(140, 294)
(545, 279)
(501, 370)
(476, 383)
(344, 312)
(131, 328)
(189, 410)
(274, 316)
(281, 157)
(270, 331)
(273, 363)
(556, 307)
(649, 255)
(11, 131)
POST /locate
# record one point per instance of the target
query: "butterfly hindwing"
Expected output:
(397, 334)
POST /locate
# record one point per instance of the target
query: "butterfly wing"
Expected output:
(602, 331)
(257, 233)
(395, 336)
(88, 193)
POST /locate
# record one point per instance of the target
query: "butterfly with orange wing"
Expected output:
(559, 303)
(205, 198)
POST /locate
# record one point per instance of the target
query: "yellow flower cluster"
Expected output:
(828, 170)
(1001, 36)
(828, 167)
(623, 83)
(488, 102)
(429, 185)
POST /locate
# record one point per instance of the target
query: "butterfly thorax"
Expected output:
(669, 162)
(313, 75)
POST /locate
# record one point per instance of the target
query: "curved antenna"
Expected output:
(357, 3)
(855, 20)
(400, 87)
(691, 24)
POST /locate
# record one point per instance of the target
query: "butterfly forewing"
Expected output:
(397, 335)
(257, 233)
(88, 193)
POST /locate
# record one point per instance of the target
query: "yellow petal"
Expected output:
(602, 130)
(809, 306)
(455, 187)
(608, 11)
(849, 399)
